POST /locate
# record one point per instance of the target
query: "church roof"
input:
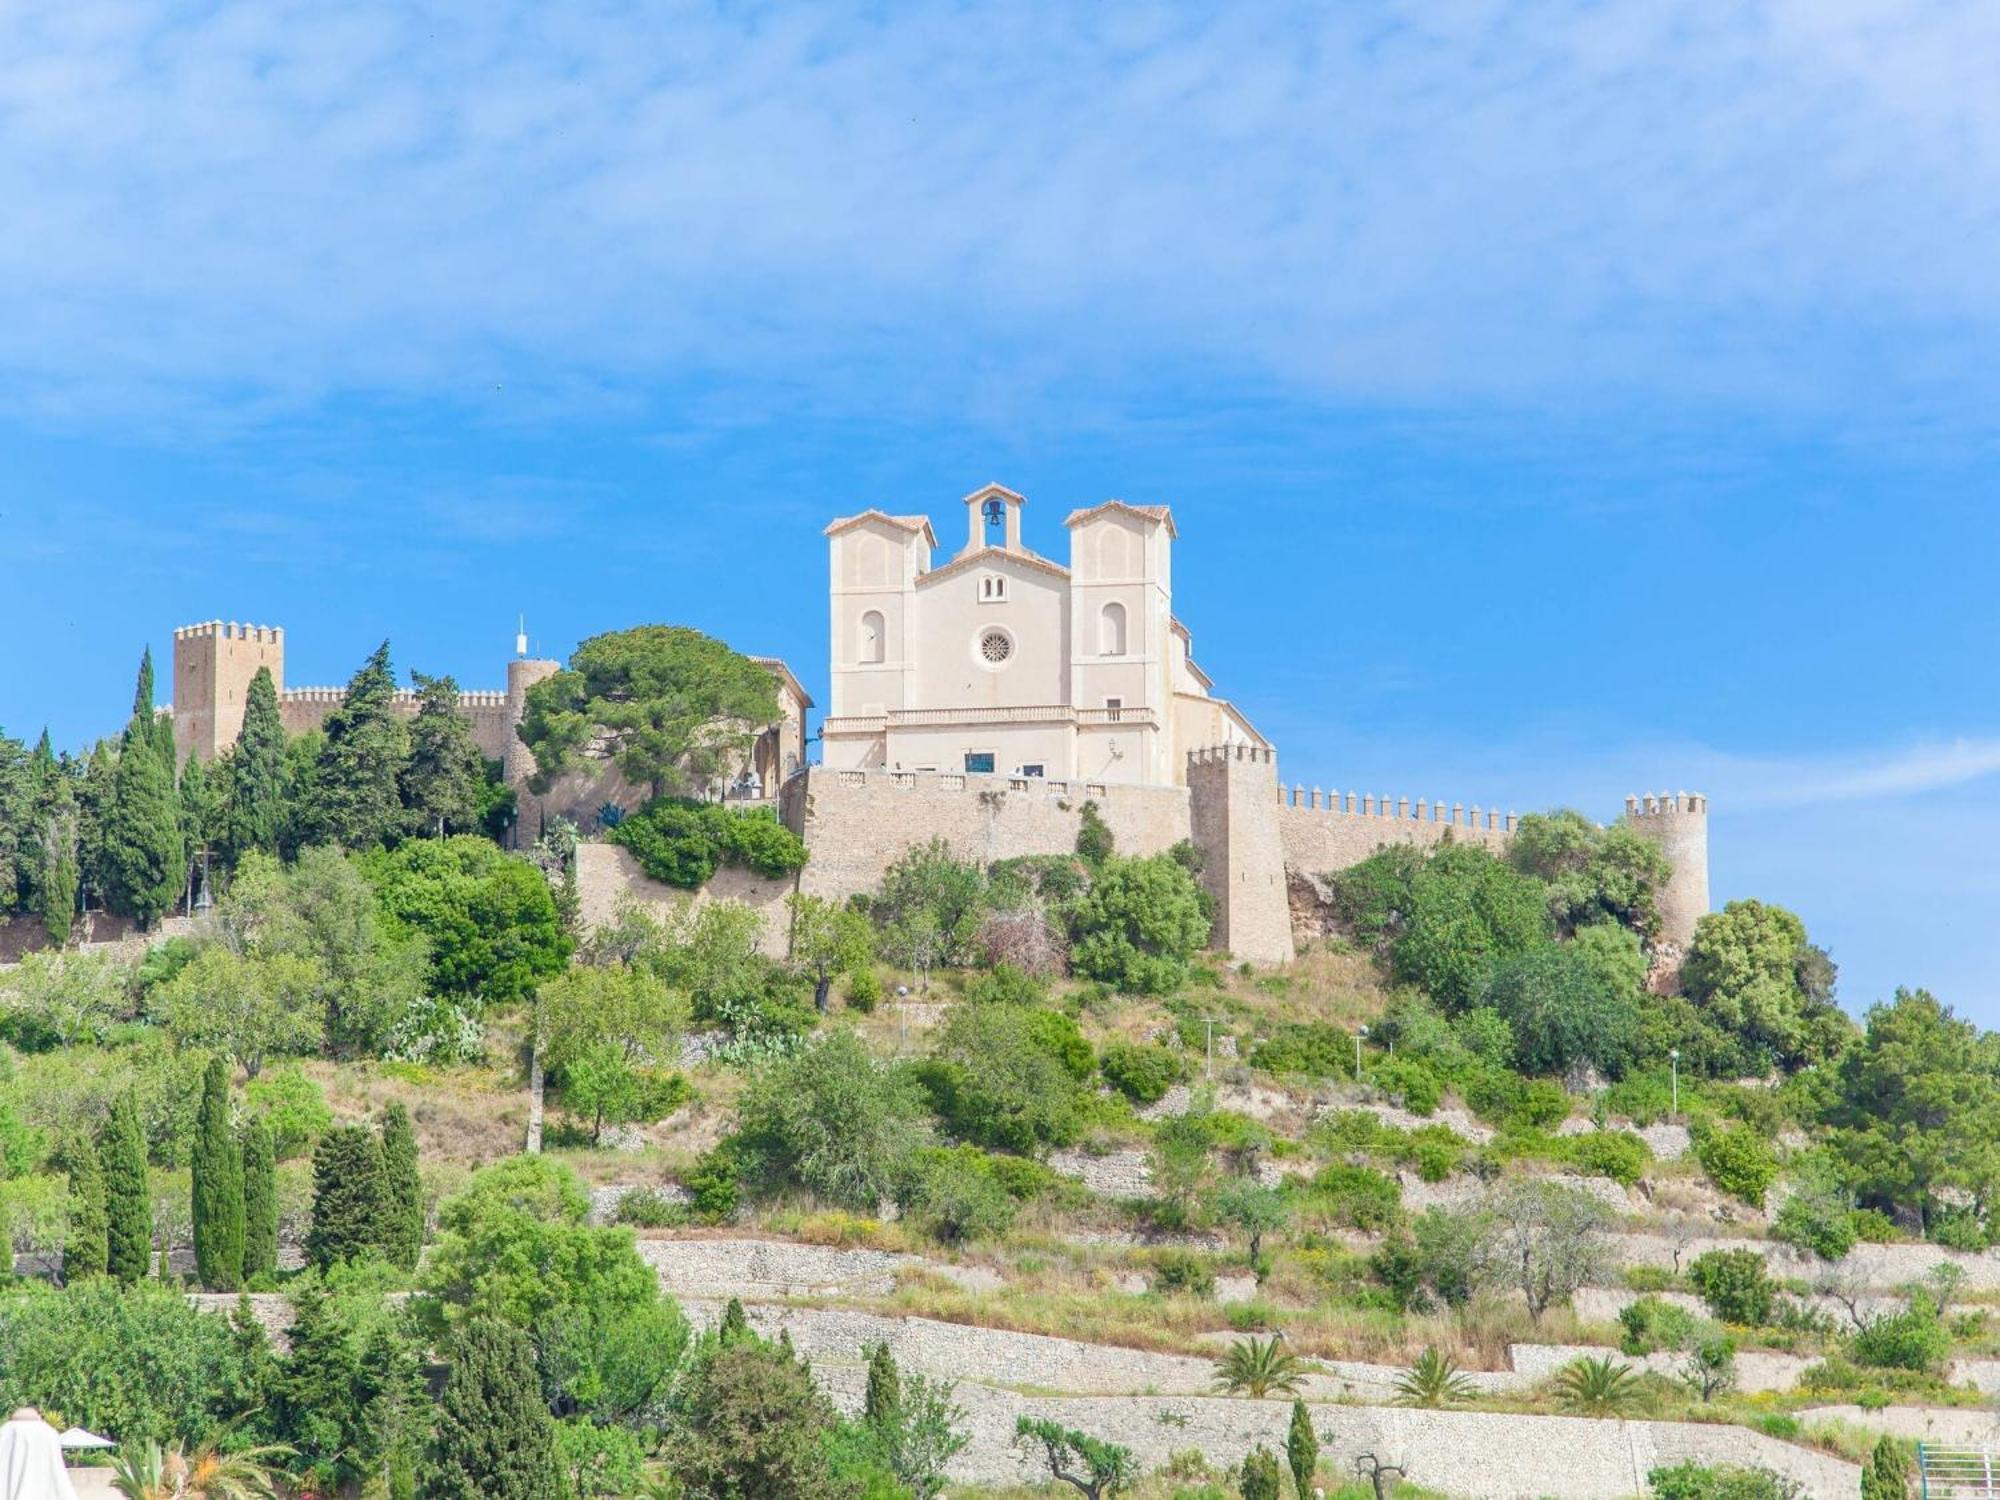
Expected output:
(990, 555)
(1147, 512)
(919, 524)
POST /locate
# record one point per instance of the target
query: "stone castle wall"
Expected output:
(487, 712)
(858, 823)
(1323, 832)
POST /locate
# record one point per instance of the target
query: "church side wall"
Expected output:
(858, 823)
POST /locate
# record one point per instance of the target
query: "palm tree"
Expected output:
(145, 1471)
(1596, 1387)
(1433, 1381)
(1258, 1369)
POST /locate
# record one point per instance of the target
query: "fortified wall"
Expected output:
(1257, 838)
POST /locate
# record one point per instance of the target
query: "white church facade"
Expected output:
(1004, 662)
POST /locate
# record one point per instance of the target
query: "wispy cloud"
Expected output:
(250, 204)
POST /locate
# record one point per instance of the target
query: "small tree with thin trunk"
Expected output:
(1377, 1473)
(1092, 1467)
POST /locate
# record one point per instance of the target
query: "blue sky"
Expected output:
(1557, 400)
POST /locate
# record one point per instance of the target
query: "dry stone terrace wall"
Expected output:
(608, 874)
(858, 823)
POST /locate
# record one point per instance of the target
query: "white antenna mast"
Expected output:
(521, 638)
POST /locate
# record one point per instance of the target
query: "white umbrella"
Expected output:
(31, 1466)
(76, 1437)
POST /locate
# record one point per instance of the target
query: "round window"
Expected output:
(995, 646)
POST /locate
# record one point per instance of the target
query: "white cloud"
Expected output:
(263, 201)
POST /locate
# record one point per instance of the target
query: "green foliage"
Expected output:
(1739, 1161)
(670, 707)
(954, 1194)
(1261, 1477)
(683, 843)
(1596, 1387)
(1410, 1082)
(1744, 973)
(254, 793)
(487, 915)
(1357, 1197)
(1302, 1449)
(128, 1199)
(1689, 1480)
(1182, 1273)
(827, 940)
(1142, 1073)
(600, 1028)
(1445, 918)
(144, 859)
(1913, 1339)
(1258, 1368)
(1916, 1107)
(1735, 1286)
(250, 1009)
(1887, 1475)
(1315, 1049)
(140, 1361)
(86, 1247)
(1652, 1324)
(63, 999)
(1095, 842)
(347, 1207)
(494, 1437)
(402, 1214)
(445, 775)
(714, 1184)
(1247, 1205)
(1617, 1154)
(1059, 1036)
(1549, 1239)
(1563, 1012)
(1096, 1469)
(931, 904)
(292, 1107)
(994, 1082)
(1138, 925)
(218, 1187)
(1433, 1381)
(832, 1120)
(1817, 1217)
(752, 1423)
(260, 1203)
(1593, 875)
(355, 797)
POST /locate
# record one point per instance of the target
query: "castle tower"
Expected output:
(517, 761)
(213, 666)
(1233, 816)
(1678, 823)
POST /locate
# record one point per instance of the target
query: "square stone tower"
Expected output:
(213, 665)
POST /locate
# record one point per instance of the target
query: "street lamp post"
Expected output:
(1359, 1035)
(1674, 1064)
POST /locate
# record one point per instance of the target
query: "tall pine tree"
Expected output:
(357, 792)
(201, 812)
(318, 1407)
(445, 773)
(402, 1191)
(260, 1203)
(254, 805)
(494, 1438)
(347, 1197)
(128, 1198)
(56, 827)
(94, 794)
(86, 1246)
(218, 1185)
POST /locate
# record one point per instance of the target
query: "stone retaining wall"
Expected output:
(712, 1268)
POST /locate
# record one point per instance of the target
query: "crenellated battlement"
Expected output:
(962, 781)
(1335, 804)
(1238, 750)
(404, 700)
(1666, 805)
(230, 630)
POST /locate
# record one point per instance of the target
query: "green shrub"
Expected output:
(864, 990)
(1693, 1481)
(955, 1195)
(1142, 1074)
(994, 1081)
(1058, 1036)
(1023, 1178)
(1564, 1012)
(1542, 1105)
(1493, 1094)
(1739, 1161)
(715, 1185)
(1651, 1324)
(1139, 924)
(1315, 1049)
(682, 842)
(488, 916)
(1409, 1082)
(1873, 1227)
(1436, 1151)
(649, 1208)
(1735, 1285)
(1357, 1197)
(1006, 985)
(1181, 1273)
(1617, 1154)
(1914, 1339)
(1958, 1229)
(293, 1108)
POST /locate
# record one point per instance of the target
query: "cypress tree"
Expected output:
(93, 816)
(254, 805)
(145, 863)
(218, 1186)
(494, 1438)
(1886, 1476)
(1261, 1477)
(734, 1327)
(86, 1246)
(402, 1191)
(318, 1403)
(357, 796)
(347, 1197)
(55, 855)
(445, 773)
(260, 1203)
(142, 693)
(128, 1199)
(1302, 1449)
(884, 1401)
